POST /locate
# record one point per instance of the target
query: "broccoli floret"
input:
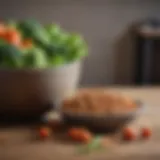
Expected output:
(10, 56)
(35, 58)
(33, 29)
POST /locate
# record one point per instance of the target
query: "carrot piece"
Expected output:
(27, 43)
(12, 36)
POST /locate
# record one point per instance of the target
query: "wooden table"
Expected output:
(16, 143)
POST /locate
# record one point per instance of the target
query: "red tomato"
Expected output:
(80, 134)
(44, 132)
(128, 134)
(74, 133)
(146, 133)
(86, 137)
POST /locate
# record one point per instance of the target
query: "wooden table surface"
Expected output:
(16, 143)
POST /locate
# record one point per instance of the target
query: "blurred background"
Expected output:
(110, 29)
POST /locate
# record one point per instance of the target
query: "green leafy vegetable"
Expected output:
(35, 58)
(10, 56)
(94, 145)
(34, 30)
(47, 45)
(53, 30)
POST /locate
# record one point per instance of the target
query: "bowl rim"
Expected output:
(138, 110)
(50, 68)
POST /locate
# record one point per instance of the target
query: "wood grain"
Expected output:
(16, 143)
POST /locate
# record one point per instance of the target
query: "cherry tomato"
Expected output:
(44, 132)
(74, 133)
(129, 134)
(86, 137)
(146, 133)
(80, 134)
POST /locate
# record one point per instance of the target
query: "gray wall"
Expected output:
(104, 24)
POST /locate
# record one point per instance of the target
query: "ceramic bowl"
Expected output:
(32, 92)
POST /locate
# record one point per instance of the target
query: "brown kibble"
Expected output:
(90, 101)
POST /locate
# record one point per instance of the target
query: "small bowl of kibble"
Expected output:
(101, 111)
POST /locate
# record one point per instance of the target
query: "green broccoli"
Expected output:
(76, 47)
(35, 58)
(33, 29)
(10, 56)
(53, 29)
(57, 60)
(52, 46)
